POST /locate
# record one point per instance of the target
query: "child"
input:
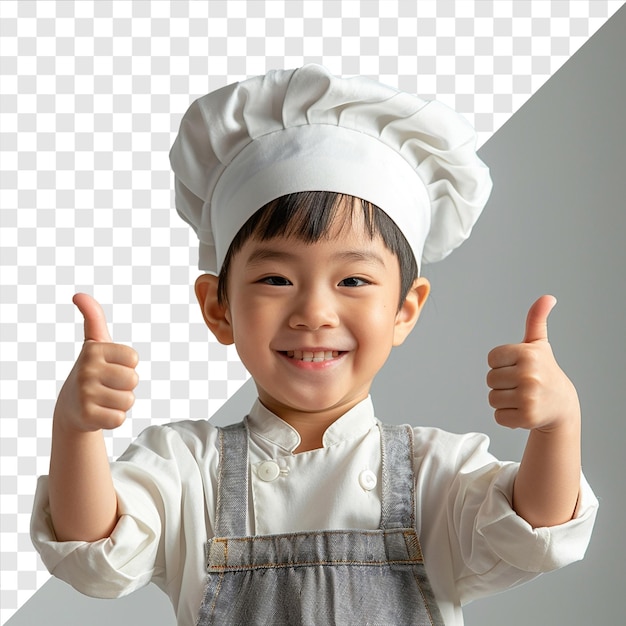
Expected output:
(316, 201)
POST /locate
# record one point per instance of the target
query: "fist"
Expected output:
(99, 389)
(528, 388)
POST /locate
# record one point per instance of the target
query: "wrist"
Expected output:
(63, 425)
(566, 415)
(564, 431)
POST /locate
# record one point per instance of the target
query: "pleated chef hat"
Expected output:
(251, 142)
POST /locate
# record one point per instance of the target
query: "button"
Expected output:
(367, 480)
(268, 471)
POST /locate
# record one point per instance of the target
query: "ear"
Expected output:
(216, 315)
(410, 310)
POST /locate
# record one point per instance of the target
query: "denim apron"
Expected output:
(318, 577)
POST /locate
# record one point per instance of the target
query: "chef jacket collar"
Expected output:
(355, 423)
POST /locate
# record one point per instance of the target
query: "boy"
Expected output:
(316, 200)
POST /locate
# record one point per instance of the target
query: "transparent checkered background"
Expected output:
(91, 95)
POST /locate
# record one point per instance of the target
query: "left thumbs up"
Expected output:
(537, 319)
(528, 388)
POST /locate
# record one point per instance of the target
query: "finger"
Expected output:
(537, 319)
(115, 400)
(504, 399)
(503, 378)
(504, 356)
(116, 353)
(95, 320)
(107, 418)
(507, 417)
(106, 408)
(119, 377)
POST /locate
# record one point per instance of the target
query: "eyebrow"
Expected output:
(271, 254)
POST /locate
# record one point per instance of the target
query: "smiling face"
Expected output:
(313, 322)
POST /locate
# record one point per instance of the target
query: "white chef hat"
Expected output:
(288, 131)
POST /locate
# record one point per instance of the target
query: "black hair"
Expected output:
(308, 217)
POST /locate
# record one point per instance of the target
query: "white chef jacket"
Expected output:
(473, 542)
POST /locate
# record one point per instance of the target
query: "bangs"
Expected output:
(306, 216)
(310, 216)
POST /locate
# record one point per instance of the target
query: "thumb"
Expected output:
(537, 319)
(95, 320)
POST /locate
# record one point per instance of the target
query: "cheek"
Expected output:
(251, 324)
(376, 327)
(380, 316)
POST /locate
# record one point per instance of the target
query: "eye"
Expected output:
(278, 281)
(353, 281)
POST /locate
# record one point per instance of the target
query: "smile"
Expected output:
(312, 357)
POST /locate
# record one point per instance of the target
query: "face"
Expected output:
(313, 323)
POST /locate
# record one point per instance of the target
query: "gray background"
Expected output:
(555, 224)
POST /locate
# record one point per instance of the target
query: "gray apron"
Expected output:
(320, 577)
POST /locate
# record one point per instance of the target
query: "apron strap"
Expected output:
(232, 482)
(398, 484)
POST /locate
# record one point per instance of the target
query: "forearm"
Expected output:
(83, 502)
(547, 486)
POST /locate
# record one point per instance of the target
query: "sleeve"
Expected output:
(157, 481)
(491, 547)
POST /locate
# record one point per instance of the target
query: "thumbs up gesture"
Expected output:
(99, 389)
(528, 388)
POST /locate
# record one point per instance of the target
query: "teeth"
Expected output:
(312, 357)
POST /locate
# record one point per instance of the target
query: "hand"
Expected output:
(529, 389)
(99, 389)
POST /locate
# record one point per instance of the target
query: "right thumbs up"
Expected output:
(95, 321)
(99, 389)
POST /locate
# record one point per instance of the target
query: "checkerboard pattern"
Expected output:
(91, 95)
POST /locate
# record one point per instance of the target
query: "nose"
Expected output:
(314, 309)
